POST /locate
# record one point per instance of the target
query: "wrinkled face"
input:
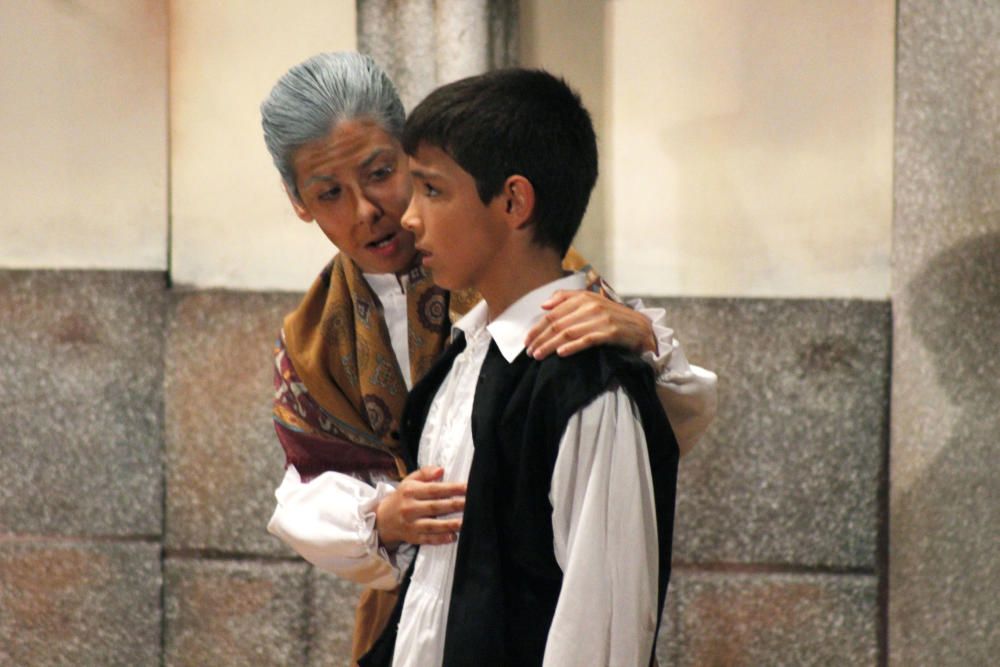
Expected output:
(355, 184)
(458, 236)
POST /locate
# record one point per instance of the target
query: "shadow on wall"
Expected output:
(955, 306)
(947, 519)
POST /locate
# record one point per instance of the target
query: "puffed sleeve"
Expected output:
(688, 393)
(330, 521)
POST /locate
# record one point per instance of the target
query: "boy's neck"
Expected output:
(534, 267)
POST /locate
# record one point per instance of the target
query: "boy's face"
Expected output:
(459, 236)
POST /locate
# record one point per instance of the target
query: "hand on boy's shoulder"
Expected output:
(579, 319)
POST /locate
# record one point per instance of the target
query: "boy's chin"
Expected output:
(447, 281)
(444, 283)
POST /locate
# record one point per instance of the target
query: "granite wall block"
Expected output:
(235, 613)
(749, 619)
(791, 472)
(332, 607)
(81, 402)
(945, 499)
(223, 460)
(79, 603)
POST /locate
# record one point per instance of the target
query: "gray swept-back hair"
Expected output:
(314, 96)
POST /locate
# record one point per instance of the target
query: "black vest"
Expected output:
(507, 581)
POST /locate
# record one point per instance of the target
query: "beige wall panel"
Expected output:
(83, 150)
(566, 37)
(232, 224)
(751, 147)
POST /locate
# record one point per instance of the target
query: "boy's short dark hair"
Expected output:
(516, 121)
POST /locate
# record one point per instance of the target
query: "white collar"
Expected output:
(509, 329)
(385, 284)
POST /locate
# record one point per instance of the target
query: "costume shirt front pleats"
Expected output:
(446, 441)
(391, 292)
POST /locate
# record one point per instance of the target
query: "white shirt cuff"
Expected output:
(330, 521)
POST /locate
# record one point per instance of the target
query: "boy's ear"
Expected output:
(300, 209)
(518, 197)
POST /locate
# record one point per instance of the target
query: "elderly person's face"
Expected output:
(355, 184)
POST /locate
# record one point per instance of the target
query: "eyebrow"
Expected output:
(314, 179)
(374, 155)
(426, 175)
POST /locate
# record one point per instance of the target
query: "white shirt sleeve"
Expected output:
(688, 393)
(605, 540)
(330, 521)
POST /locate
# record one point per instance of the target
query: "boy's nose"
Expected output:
(410, 220)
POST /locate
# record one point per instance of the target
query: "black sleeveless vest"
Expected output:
(507, 581)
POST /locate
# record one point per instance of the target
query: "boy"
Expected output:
(564, 550)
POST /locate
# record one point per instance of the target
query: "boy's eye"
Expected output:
(330, 194)
(430, 190)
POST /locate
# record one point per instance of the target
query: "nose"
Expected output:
(368, 210)
(411, 219)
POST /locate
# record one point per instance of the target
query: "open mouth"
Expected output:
(382, 242)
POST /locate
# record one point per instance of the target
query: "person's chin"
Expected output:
(449, 281)
(403, 259)
(440, 277)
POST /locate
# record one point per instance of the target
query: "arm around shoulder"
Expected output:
(687, 392)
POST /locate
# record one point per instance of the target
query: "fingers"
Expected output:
(398, 521)
(426, 474)
(413, 511)
(573, 340)
(563, 303)
(557, 326)
(578, 320)
(557, 297)
(421, 510)
(574, 303)
(435, 531)
(420, 485)
(580, 325)
(580, 344)
(420, 491)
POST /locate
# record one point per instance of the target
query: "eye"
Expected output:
(330, 194)
(382, 173)
(430, 190)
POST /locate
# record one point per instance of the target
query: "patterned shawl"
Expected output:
(339, 391)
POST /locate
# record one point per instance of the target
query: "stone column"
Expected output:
(944, 551)
(425, 43)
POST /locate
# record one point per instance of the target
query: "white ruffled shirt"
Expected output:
(603, 515)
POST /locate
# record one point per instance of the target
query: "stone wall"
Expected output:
(81, 506)
(141, 463)
(781, 508)
(945, 502)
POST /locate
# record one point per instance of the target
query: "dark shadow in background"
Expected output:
(947, 534)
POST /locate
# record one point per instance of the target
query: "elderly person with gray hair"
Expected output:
(372, 324)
